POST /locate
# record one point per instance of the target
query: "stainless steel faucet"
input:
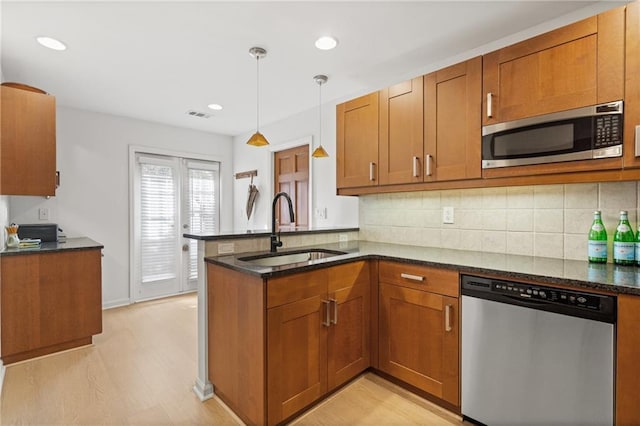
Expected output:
(275, 238)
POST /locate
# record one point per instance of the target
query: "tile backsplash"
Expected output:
(545, 220)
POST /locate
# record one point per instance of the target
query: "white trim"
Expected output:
(116, 304)
(3, 370)
(203, 387)
(305, 140)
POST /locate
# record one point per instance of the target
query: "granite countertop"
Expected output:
(285, 230)
(81, 243)
(575, 273)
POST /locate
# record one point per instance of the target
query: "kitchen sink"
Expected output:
(290, 257)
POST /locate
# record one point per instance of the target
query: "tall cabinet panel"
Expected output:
(632, 87)
(357, 142)
(27, 141)
(401, 132)
(452, 106)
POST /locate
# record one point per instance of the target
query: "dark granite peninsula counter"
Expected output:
(260, 233)
(574, 273)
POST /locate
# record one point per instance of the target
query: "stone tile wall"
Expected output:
(546, 220)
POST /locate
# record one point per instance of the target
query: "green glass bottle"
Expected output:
(597, 240)
(624, 242)
(638, 247)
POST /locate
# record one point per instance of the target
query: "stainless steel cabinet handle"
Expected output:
(427, 165)
(372, 166)
(335, 311)
(412, 277)
(327, 319)
(447, 318)
(416, 166)
(489, 105)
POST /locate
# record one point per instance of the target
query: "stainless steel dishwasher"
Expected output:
(536, 355)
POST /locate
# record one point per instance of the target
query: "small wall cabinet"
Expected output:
(27, 141)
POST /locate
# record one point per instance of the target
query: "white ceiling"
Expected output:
(156, 60)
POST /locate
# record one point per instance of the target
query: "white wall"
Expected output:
(341, 211)
(93, 199)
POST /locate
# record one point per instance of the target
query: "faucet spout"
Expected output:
(275, 240)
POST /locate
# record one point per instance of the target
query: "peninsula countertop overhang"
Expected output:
(542, 270)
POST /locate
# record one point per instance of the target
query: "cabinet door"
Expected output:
(401, 132)
(627, 355)
(452, 122)
(632, 86)
(49, 299)
(574, 66)
(357, 142)
(419, 340)
(296, 356)
(28, 143)
(349, 351)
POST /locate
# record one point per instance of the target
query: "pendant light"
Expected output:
(320, 152)
(257, 139)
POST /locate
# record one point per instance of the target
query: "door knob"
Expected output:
(185, 247)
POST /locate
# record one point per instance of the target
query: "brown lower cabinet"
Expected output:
(279, 344)
(49, 302)
(419, 328)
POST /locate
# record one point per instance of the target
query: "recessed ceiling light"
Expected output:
(51, 43)
(215, 107)
(326, 43)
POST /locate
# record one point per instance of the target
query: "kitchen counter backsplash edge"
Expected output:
(573, 273)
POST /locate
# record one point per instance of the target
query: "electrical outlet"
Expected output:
(43, 213)
(226, 248)
(343, 238)
(321, 212)
(447, 215)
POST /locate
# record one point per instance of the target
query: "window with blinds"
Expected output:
(158, 222)
(202, 208)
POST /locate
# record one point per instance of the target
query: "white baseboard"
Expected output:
(116, 303)
(3, 370)
(204, 391)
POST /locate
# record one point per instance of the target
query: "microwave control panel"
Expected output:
(608, 130)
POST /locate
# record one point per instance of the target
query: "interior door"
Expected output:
(292, 176)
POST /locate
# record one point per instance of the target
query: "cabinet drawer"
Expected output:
(441, 281)
(292, 288)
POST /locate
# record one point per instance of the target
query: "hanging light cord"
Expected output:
(257, 93)
(320, 113)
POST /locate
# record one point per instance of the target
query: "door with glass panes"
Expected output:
(173, 196)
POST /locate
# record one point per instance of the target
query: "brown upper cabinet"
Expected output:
(632, 87)
(452, 127)
(574, 66)
(401, 133)
(357, 142)
(28, 141)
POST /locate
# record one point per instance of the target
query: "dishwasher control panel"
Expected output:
(553, 299)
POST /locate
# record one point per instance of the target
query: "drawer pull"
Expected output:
(416, 167)
(412, 277)
(447, 318)
(427, 165)
(372, 176)
(335, 311)
(327, 319)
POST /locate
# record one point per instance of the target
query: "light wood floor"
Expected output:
(141, 369)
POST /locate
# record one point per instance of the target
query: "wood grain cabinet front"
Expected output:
(27, 141)
(357, 142)
(419, 328)
(631, 150)
(317, 342)
(49, 302)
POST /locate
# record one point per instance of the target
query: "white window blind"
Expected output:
(203, 199)
(159, 239)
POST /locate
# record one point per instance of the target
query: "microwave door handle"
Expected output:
(489, 105)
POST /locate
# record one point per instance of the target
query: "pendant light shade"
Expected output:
(320, 152)
(257, 139)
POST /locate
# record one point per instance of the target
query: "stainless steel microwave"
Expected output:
(579, 134)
